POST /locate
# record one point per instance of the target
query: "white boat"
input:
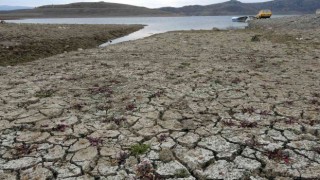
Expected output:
(239, 19)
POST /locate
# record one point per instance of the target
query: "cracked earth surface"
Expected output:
(203, 104)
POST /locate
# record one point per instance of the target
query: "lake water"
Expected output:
(154, 25)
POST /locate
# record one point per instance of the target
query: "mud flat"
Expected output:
(21, 43)
(179, 105)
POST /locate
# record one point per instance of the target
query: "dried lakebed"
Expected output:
(180, 105)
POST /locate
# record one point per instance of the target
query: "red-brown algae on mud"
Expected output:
(188, 105)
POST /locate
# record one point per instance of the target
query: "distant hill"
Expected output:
(234, 7)
(103, 9)
(10, 8)
(84, 9)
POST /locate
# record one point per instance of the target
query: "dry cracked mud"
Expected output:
(180, 105)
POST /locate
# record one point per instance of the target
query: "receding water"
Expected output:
(154, 25)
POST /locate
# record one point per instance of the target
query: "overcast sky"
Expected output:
(146, 3)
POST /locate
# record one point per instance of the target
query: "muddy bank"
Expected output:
(190, 105)
(288, 23)
(21, 43)
(300, 31)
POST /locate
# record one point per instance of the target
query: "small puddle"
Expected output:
(142, 33)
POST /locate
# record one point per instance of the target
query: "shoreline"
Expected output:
(210, 104)
(53, 17)
(22, 43)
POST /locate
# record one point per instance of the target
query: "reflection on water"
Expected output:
(154, 25)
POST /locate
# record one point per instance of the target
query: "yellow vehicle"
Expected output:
(263, 14)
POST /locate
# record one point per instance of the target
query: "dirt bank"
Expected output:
(288, 23)
(179, 105)
(21, 43)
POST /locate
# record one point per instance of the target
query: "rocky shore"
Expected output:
(20, 43)
(235, 104)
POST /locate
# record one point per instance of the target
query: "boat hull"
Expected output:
(240, 19)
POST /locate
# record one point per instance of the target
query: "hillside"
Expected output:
(234, 7)
(103, 9)
(84, 9)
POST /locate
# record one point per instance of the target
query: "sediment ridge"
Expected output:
(20, 43)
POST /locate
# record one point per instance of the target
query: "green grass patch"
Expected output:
(139, 149)
(181, 173)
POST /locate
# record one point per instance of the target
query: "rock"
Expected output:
(111, 152)
(131, 162)
(87, 154)
(4, 124)
(170, 169)
(288, 112)
(52, 111)
(223, 170)
(171, 115)
(276, 135)
(30, 136)
(84, 177)
(152, 131)
(290, 135)
(303, 145)
(37, 172)
(218, 144)
(80, 144)
(166, 155)
(57, 152)
(194, 158)
(248, 152)
(144, 123)
(7, 175)
(171, 125)
(30, 119)
(188, 125)
(168, 143)
(215, 29)
(62, 140)
(189, 139)
(84, 157)
(29, 101)
(246, 163)
(69, 120)
(21, 163)
(255, 38)
(257, 178)
(44, 146)
(121, 175)
(312, 172)
(153, 155)
(132, 119)
(66, 170)
(105, 167)
(105, 134)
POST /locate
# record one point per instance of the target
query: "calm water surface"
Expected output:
(154, 25)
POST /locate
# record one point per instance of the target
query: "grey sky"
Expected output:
(146, 3)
